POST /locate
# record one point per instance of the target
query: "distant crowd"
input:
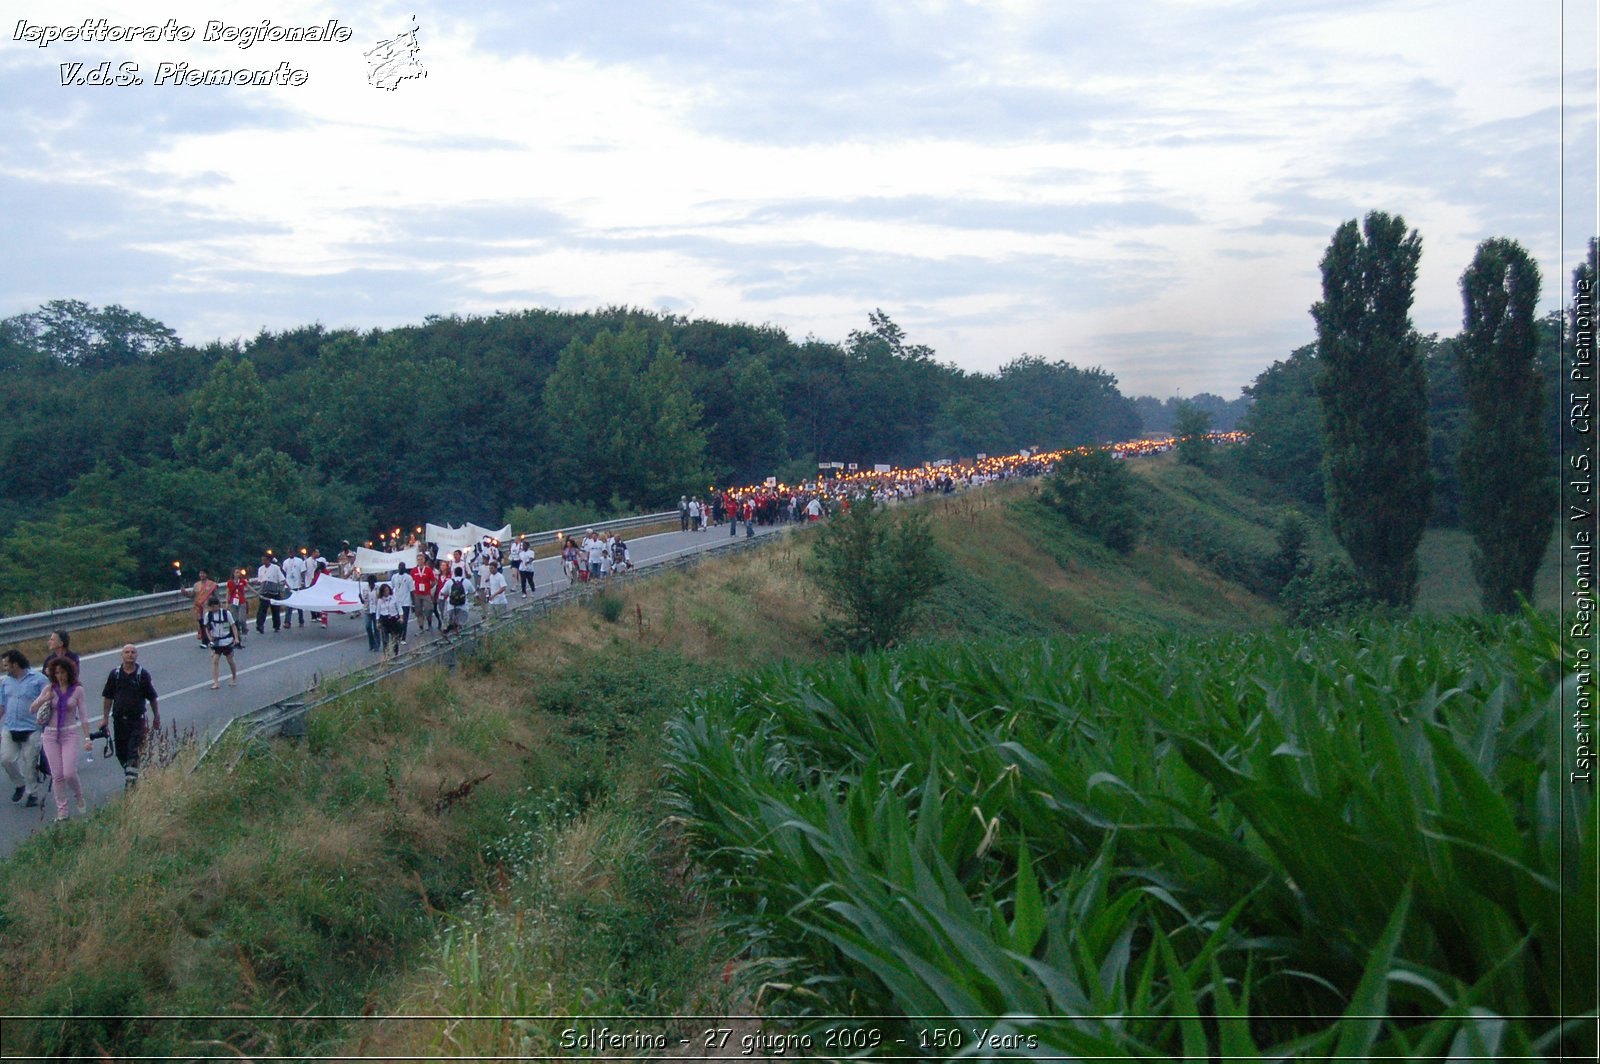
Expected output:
(438, 594)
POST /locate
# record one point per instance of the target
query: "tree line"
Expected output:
(126, 449)
(1387, 430)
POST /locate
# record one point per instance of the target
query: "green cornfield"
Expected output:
(1359, 843)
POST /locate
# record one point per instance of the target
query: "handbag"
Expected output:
(42, 715)
(273, 589)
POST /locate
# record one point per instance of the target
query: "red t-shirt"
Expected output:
(425, 578)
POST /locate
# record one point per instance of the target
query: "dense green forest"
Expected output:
(134, 445)
(134, 450)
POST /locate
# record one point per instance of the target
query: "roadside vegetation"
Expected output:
(1357, 843)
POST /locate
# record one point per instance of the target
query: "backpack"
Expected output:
(219, 626)
(127, 692)
(458, 593)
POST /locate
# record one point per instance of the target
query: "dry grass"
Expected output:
(94, 640)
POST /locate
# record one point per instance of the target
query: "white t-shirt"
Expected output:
(403, 586)
(294, 570)
(495, 589)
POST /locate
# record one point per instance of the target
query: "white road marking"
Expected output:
(267, 664)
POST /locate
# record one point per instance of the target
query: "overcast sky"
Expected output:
(1144, 187)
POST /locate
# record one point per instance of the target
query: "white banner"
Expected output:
(381, 562)
(463, 538)
(328, 595)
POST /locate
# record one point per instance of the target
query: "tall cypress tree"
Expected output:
(1375, 403)
(1507, 483)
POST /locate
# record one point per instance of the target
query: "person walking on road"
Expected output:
(223, 632)
(569, 561)
(369, 605)
(391, 622)
(238, 593)
(424, 589)
(496, 595)
(318, 573)
(203, 589)
(271, 585)
(403, 585)
(525, 571)
(59, 645)
(128, 688)
(19, 742)
(457, 594)
(59, 710)
(295, 574)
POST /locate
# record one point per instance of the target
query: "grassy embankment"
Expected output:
(491, 841)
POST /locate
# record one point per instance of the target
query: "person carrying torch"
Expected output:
(203, 589)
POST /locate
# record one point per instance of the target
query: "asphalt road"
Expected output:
(272, 667)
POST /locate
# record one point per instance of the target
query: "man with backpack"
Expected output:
(457, 594)
(224, 636)
(127, 690)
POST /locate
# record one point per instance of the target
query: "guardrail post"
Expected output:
(294, 725)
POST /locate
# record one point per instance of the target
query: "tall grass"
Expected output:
(1356, 842)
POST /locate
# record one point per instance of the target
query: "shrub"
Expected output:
(875, 571)
(1094, 492)
(610, 607)
(1328, 593)
(1291, 560)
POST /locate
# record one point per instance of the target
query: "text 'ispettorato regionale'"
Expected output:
(242, 36)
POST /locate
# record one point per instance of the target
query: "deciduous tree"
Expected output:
(64, 559)
(1192, 425)
(1285, 426)
(622, 421)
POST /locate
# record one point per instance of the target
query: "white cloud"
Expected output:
(1147, 188)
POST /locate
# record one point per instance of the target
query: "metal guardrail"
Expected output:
(287, 716)
(115, 611)
(72, 618)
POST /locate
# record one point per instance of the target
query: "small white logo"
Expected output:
(395, 60)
